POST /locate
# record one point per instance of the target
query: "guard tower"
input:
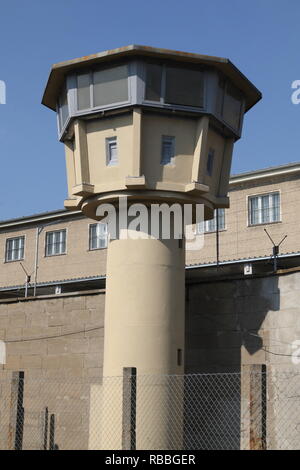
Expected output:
(157, 126)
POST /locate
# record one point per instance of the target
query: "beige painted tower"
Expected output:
(157, 126)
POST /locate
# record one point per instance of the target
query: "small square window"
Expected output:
(167, 149)
(98, 236)
(55, 243)
(111, 151)
(210, 162)
(14, 249)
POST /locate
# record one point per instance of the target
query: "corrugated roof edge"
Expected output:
(39, 216)
(242, 260)
(187, 267)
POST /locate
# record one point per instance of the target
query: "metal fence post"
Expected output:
(16, 421)
(52, 433)
(129, 409)
(258, 407)
(45, 429)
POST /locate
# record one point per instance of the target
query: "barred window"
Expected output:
(98, 236)
(55, 243)
(14, 248)
(264, 209)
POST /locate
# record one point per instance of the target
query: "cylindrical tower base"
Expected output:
(144, 328)
(144, 310)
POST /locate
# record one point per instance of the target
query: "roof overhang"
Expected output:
(289, 169)
(60, 70)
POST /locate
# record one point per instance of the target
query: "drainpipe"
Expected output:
(37, 237)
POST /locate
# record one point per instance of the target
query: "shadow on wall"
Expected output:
(223, 323)
(224, 317)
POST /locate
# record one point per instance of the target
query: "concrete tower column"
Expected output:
(144, 310)
(144, 328)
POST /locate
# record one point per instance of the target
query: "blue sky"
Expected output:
(261, 37)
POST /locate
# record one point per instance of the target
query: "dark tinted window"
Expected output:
(232, 106)
(184, 86)
(153, 82)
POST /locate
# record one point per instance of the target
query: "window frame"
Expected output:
(55, 254)
(162, 102)
(93, 108)
(6, 251)
(72, 87)
(89, 236)
(219, 113)
(108, 142)
(260, 195)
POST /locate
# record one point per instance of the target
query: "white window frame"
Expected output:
(14, 239)
(98, 238)
(109, 142)
(170, 140)
(271, 206)
(60, 242)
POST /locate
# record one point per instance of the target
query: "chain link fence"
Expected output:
(256, 409)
